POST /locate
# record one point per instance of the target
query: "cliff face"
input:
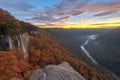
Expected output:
(24, 43)
(16, 42)
(56, 72)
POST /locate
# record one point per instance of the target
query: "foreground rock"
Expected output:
(56, 72)
(15, 79)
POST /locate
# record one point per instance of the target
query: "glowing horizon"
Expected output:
(105, 24)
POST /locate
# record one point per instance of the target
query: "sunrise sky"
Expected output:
(66, 13)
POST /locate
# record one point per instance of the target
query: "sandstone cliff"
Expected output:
(16, 42)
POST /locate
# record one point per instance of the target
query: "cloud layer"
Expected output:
(63, 12)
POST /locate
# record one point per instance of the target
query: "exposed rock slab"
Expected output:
(56, 72)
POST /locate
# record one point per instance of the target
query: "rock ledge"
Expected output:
(56, 72)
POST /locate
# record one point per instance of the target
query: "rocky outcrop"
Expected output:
(56, 72)
(20, 41)
(15, 79)
(4, 42)
(24, 43)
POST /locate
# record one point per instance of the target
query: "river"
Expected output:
(93, 37)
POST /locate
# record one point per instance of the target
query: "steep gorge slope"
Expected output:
(106, 50)
(44, 51)
(72, 39)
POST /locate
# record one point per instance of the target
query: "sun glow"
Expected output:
(86, 24)
(94, 25)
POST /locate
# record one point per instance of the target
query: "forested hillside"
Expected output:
(72, 39)
(44, 51)
(10, 25)
(106, 50)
